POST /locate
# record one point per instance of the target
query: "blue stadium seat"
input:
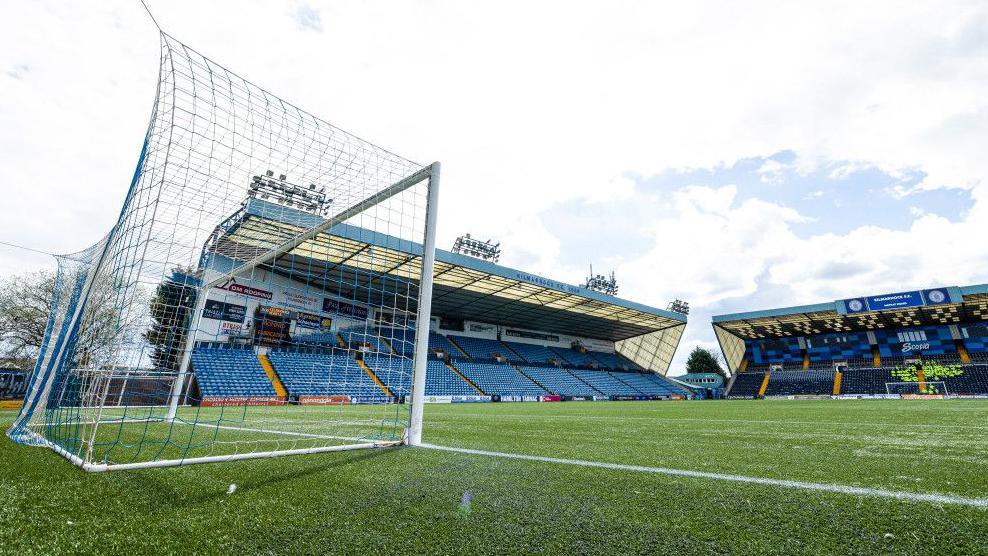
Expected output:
(574, 357)
(402, 340)
(746, 385)
(605, 383)
(533, 353)
(794, 383)
(441, 381)
(498, 379)
(324, 374)
(319, 338)
(359, 337)
(613, 361)
(394, 371)
(230, 373)
(482, 348)
(559, 381)
(650, 384)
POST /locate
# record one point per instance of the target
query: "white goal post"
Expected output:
(916, 388)
(266, 291)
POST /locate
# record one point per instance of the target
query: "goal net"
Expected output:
(917, 388)
(265, 290)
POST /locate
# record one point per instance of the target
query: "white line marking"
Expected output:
(577, 416)
(800, 485)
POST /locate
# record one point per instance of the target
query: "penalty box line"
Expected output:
(781, 483)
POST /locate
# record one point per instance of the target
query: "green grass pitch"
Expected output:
(405, 500)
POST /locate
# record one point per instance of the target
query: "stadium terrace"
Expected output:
(927, 342)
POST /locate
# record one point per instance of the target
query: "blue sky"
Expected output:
(736, 155)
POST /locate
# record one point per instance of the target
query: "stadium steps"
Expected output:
(921, 379)
(388, 345)
(876, 357)
(279, 388)
(513, 352)
(462, 351)
(764, 387)
(625, 382)
(838, 377)
(464, 378)
(530, 377)
(744, 365)
(373, 376)
(340, 341)
(962, 352)
(806, 360)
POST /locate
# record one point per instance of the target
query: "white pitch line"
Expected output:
(576, 417)
(799, 485)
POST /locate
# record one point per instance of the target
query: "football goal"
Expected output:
(265, 291)
(926, 388)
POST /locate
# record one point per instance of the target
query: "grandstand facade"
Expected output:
(496, 333)
(864, 346)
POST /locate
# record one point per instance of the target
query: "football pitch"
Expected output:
(832, 476)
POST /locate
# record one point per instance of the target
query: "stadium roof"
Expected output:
(350, 257)
(943, 305)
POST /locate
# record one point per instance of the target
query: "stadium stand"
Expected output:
(650, 384)
(226, 372)
(319, 338)
(395, 372)
(401, 340)
(575, 357)
(532, 353)
(481, 348)
(789, 383)
(746, 385)
(332, 373)
(359, 337)
(613, 361)
(438, 341)
(498, 379)
(559, 381)
(605, 383)
(865, 381)
(441, 381)
(973, 381)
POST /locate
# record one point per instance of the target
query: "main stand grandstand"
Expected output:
(497, 334)
(923, 343)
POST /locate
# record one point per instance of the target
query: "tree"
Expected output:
(25, 303)
(703, 360)
(27, 300)
(171, 308)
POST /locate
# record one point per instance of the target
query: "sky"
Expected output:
(735, 155)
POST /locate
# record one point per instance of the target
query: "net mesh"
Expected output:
(257, 293)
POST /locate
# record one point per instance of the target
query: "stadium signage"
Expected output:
(219, 310)
(545, 282)
(232, 286)
(910, 347)
(301, 301)
(895, 301)
(341, 308)
(901, 300)
(313, 322)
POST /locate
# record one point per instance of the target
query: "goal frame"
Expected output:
(413, 431)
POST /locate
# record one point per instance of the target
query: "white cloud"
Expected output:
(560, 104)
